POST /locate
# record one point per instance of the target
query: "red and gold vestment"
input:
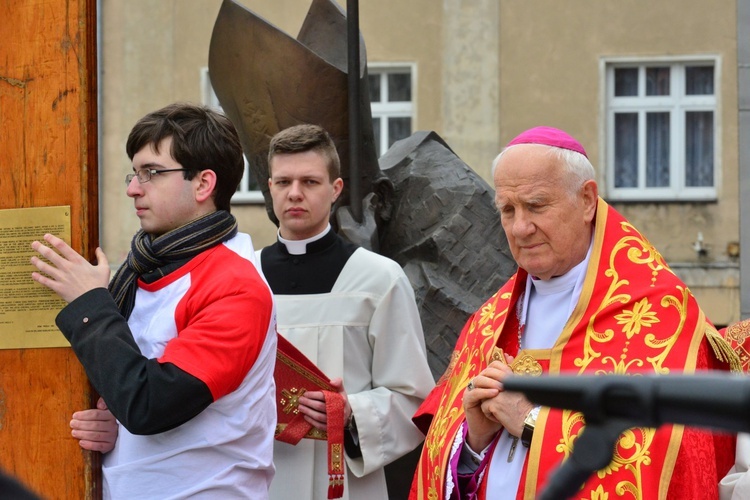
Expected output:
(634, 316)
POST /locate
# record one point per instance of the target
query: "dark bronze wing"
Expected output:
(267, 81)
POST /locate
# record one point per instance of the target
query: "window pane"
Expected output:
(376, 135)
(252, 183)
(248, 182)
(699, 148)
(373, 82)
(699, 80)
(657, 150)
(399, 87)
(398, 128)
(626, 82)
(657, 81)
(626, 150)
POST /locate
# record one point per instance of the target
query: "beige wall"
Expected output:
(486, 70)
(152, 54)
(558, 82)
(551, 53)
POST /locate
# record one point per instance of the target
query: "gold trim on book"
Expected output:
(313, 433)
(280, 356)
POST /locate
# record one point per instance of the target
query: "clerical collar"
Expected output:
(299, 247)
(572, 280)
(559, 283)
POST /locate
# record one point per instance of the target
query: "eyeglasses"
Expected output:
(146, 174)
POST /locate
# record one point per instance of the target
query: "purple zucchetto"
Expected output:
(548, 136)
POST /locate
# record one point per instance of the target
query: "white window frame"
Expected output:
(244, 195)
(677, 103)
(383, 110)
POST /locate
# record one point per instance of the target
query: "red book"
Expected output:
(294, 375)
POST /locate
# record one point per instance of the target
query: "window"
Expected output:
(661, 128)
(247, 191)
(391, 102)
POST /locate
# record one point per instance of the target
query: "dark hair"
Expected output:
(302, 138)
(202, 139)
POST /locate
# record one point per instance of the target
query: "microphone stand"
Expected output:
(592, 451)
(612, 404)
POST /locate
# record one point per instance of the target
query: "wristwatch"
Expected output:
(528, 426)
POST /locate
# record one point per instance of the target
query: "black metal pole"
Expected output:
(743, 72)
(355, 125)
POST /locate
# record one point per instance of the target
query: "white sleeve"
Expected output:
(400, 377)
(736, 484)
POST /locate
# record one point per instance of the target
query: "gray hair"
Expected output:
(577, 167)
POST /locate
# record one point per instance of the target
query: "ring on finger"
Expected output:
(471, 385)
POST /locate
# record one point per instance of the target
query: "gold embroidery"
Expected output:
(626, 330)
(313, 433)
(497, 354)
(487, 313)
(620, 367)
(525, 364)
(599, 493)
(572, 422)
(469, 360)
(738, 332)
(632, 449)
(458, 381)
(723, 350)
(665, 345)
(639, 252)
(634, 319)
(631, 453)
(336, 462)
(451, 367)
(290, 399)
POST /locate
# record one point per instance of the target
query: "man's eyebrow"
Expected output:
(302, 177)
(150, 165)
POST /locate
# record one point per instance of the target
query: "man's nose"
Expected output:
(295, 190)
(523, 225)
(134, 188)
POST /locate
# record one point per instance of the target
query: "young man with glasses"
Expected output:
(182, 345)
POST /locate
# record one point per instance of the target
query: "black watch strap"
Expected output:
(528, 427)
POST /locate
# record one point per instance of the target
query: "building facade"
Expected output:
(649, 89)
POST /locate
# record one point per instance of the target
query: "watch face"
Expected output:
(531, 417)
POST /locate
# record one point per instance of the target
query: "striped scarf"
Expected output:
(149, 254)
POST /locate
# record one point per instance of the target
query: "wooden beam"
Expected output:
(48, 118)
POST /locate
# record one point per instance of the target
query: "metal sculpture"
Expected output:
(267, 81)
(422, 206)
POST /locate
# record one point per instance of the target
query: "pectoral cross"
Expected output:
(512, 449)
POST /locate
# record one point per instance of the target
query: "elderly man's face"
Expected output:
(548, 228)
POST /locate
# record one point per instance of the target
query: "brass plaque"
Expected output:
(28, 309)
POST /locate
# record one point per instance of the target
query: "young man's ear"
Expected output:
(205, 185)
(338, 187)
